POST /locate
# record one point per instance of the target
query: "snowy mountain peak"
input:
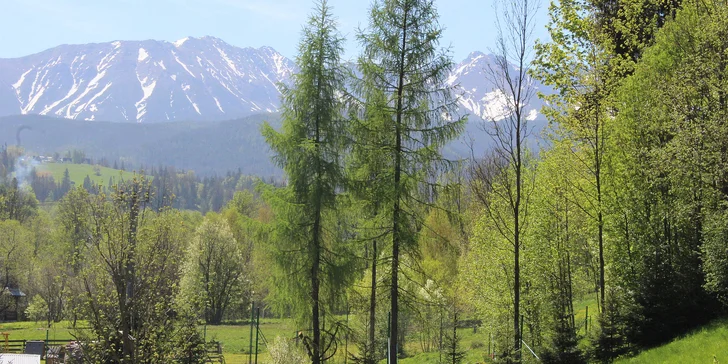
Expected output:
(180, 42)
(144, 81)
(477, 94)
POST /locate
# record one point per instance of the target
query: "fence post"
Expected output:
(250, 346)
(346, 345)
(257, 330)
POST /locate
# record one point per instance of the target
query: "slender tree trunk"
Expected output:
(315, 308)
(128, 318)
(600, 218)
(394, 292)
(517, 233)
(316, 238)
(316, 263)
(372, 307)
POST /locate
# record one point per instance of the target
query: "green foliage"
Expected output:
(131, 278)
(188, 346)
(74, 174)
(17, 202)
(704, 345)
(37, 309)
(716, 255)
(630, 26)
(214, 275)
(310, 251)
(16, 251)
(624, 210)
(403, 114)
(672, 136)
(285, 351)
(611, 340)
(206, 147)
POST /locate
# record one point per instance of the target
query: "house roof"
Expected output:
(15, 292)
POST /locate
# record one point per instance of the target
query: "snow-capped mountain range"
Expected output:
(190, 79)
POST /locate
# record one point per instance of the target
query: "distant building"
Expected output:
(15, 295)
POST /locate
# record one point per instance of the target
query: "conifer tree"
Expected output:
(405, 115)
(309, 149)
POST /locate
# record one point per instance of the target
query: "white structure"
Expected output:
(19, 359)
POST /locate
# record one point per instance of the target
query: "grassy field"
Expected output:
(236, 338)
(29, 330)
(78, 172)
(707, 345)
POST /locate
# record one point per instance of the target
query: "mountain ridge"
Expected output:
(191, 79)
(144, 81)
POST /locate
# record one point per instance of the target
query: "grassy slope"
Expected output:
(78, 172)
(699, 346)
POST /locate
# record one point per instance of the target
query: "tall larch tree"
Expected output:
(406, 115)
(309, 148)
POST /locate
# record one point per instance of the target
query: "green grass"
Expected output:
(698, 347)
(236, 338)
(28, 330)
(580, 311)
(78, 172)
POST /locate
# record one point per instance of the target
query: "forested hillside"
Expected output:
(593, 239)
(204, 147)
(207, 148)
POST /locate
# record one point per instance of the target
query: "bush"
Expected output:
(285, 351)
(37, 309)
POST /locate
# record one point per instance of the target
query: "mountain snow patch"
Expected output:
(142, 55)
(180, 42)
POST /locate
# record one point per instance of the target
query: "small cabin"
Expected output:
(12, 313)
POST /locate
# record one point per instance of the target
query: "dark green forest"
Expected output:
(376, 236)
(207, 148)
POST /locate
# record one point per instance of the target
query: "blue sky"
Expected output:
(30, 26)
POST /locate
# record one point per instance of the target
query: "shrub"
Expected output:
(285, 351)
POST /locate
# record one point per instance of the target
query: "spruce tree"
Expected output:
(309, 148)
(405, 115)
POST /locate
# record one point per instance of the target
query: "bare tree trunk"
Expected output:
(510, 75)
(128, 315)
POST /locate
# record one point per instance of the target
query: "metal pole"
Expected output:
(520, 336)
(346, 345)
(257, 330)
(389, 336)
(529, 349)
(490, 344)
(440, 343)
(250, 346)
